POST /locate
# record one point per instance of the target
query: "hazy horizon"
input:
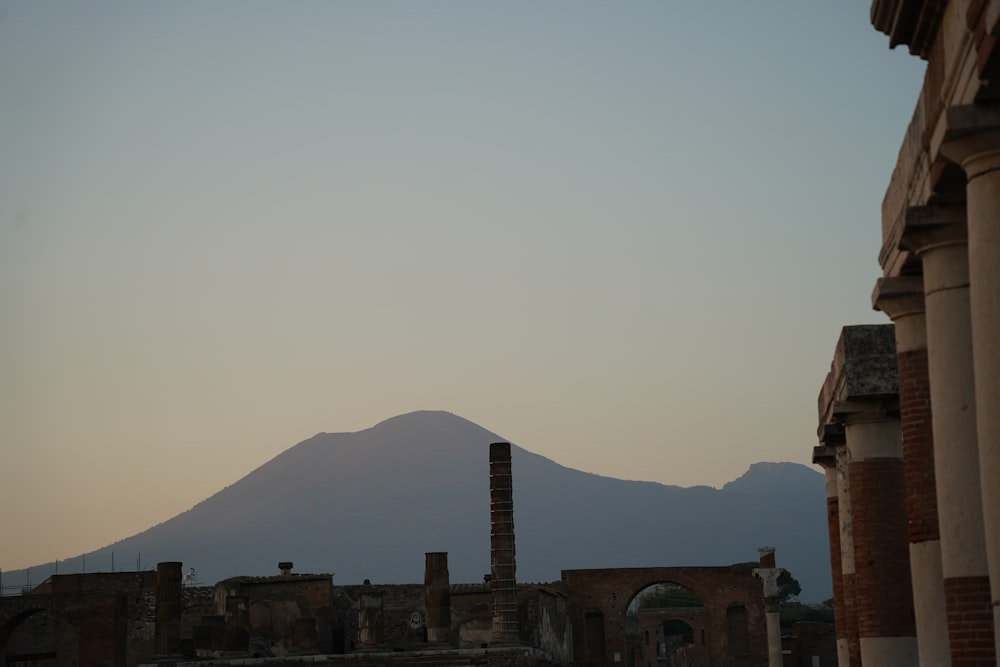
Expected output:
(624, 237)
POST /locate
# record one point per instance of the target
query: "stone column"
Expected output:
(825, 456)
(371, 620)
(168, 608)
(902, 299)
(237, 631)
(973, 140)
(768, 572)
(886, 627)
(503, 583)
(861, 393)
(937, 235)
(437, 597)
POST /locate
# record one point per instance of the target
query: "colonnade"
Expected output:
(909, 423)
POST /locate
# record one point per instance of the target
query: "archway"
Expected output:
(41, 638)
(665, 624)
(728, 629)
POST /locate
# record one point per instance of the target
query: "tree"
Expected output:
(789, 587)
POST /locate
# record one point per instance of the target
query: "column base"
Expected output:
(889, 651)
(929, 604)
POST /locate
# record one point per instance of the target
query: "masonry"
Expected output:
(918, 488)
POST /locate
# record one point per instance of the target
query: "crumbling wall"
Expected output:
(287, 614)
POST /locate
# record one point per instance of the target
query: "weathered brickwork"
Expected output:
(851, 620)
(881, 557)
(939, 233)
(598, 600)
(970, 622)
(106, 612)
(833, 528)
(918, 446)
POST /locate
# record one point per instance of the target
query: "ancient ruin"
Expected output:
(126, 619)
(909, 422)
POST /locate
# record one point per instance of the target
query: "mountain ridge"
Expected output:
(369, 504)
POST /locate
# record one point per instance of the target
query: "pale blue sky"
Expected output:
(623, 235)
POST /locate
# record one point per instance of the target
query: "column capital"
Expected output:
(914, 23)
(825, 456)
(972, 138)
(933, 226)
(899, 296)
(863, 369)
(831, 435)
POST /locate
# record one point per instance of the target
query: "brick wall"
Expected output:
(881, 552)
(970, 621)
(918, 446)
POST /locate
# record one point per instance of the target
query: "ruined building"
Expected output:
(131, 618)
(909, 423)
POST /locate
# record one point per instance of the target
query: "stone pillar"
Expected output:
(937, 235)
(902, 299)
(768, 572)
(503, 583)
(884, 594)
(237, 631)
(847, 574)
(168, 608)
(437, 597)
(825, 456)
(860, 392)
(371, 620)
(973, 140)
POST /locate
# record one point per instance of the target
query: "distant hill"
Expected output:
(368, 505)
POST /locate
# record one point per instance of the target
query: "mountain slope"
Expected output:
(370, 504)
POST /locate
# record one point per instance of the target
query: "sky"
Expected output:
(624, 236)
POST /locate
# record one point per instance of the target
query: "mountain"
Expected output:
(368, 505)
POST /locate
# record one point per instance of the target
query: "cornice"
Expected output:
(914, 23)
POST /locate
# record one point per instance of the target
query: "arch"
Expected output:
(611, 591)
(39, 637)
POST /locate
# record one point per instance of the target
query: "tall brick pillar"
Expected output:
(503, 583)
(861, 394)
(937, 235)
(902, 299)
(168, 608)
(825, 455)
(973, 140)
(437, 597)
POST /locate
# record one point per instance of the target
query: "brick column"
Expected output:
(825, 456)
(973, 140)
(861, 393)
(167, 629)
(902, 299)
(937, 235)
(886, 627)
(503, 583)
